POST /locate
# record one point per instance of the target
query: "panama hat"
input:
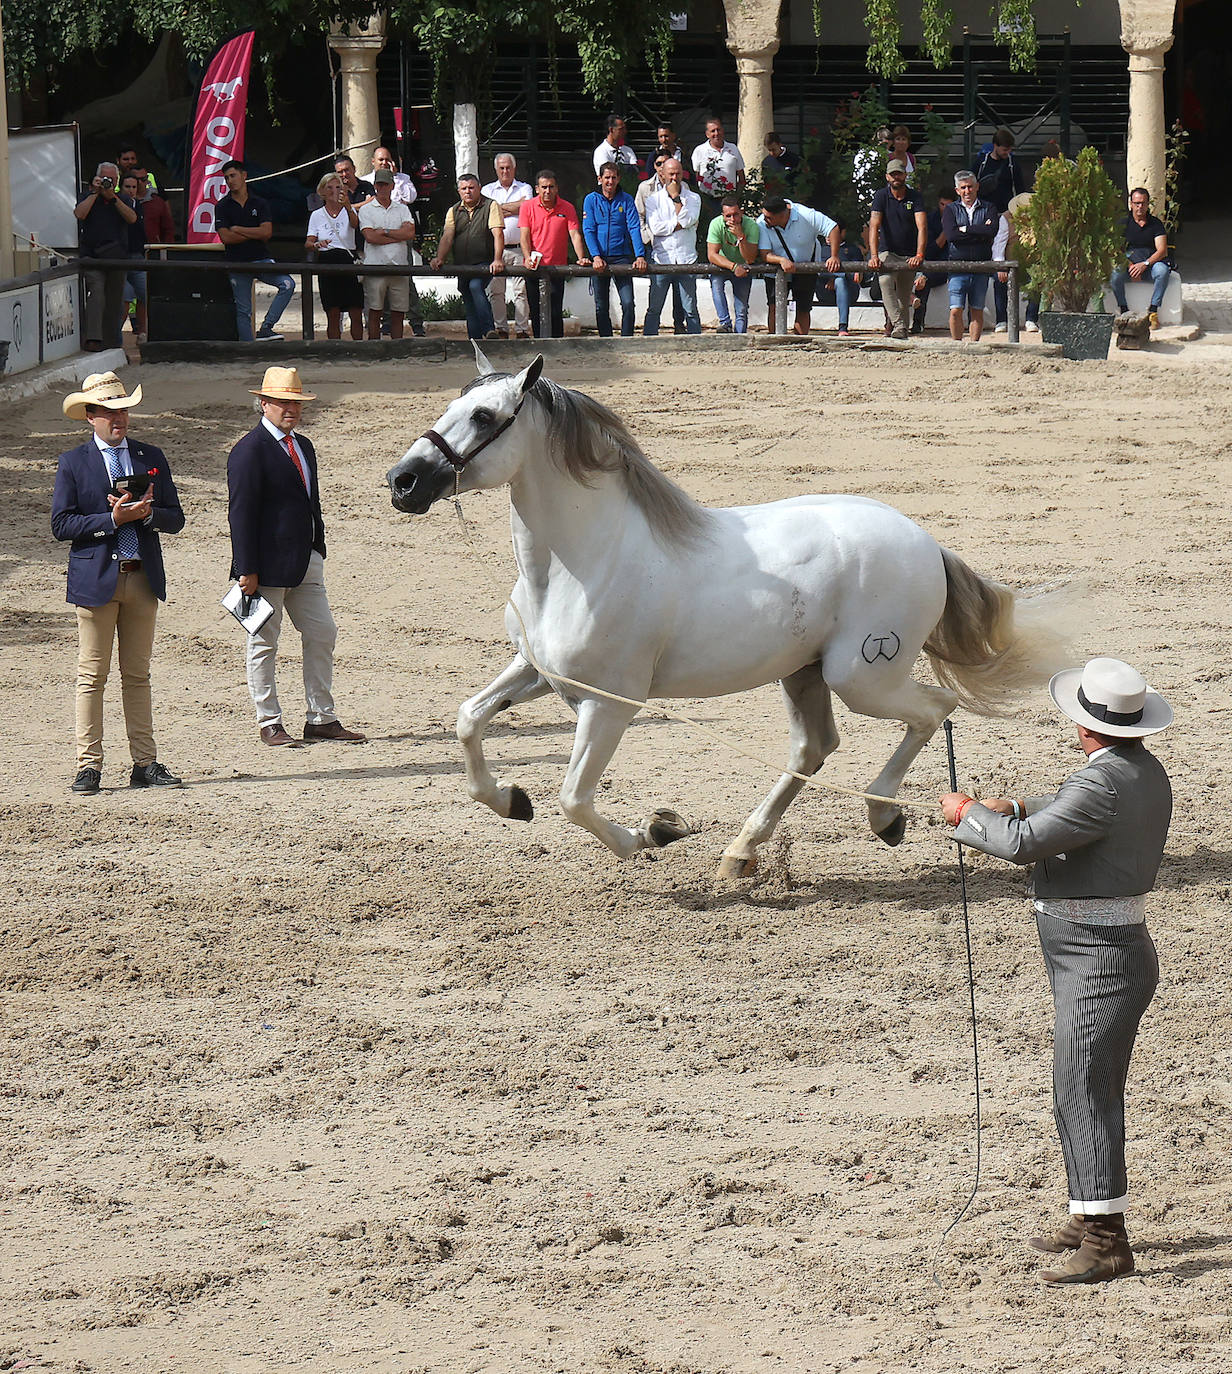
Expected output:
(100, 389)
(282, 384)
(1111, 698)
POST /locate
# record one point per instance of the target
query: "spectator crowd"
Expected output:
(683, 207)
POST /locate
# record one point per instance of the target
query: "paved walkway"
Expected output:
(1205, 259)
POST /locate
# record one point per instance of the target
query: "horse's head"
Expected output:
(470, 445)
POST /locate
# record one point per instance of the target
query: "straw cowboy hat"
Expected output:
(100, 389)
(1111, 698)
(282, 384)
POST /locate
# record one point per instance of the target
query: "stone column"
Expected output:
(753, 39)
(1146, 35)
(358, 45)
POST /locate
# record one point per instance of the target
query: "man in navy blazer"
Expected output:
(115, 570)
(278, 548)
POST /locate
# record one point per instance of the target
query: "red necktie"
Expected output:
(299, 467)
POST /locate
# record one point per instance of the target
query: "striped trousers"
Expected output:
(1102, 978)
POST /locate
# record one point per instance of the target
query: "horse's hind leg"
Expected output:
(601, 725)
(814, 737)
(920, 707)
(519, 682)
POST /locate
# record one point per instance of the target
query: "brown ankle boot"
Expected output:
(1103, 1254)
(1067, 1237)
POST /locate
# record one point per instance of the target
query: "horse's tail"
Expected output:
(992, 642)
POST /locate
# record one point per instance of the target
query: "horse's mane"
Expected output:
(585, 439)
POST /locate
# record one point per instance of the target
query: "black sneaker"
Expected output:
(153, 775)
(87, 781)
(419, 331)
(267, 334)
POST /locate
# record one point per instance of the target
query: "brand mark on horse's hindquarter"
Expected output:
(881, 646)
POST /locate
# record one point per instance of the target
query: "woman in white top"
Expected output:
(331, 232)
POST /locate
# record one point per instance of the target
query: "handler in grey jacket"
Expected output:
(1096, 847)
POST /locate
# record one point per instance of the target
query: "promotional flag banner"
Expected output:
(216, 134)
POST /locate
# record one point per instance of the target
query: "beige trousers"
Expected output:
(516, 287)
(128, 616)
(308, 607)
(897, 283)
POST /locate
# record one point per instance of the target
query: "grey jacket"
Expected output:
(1102, 835)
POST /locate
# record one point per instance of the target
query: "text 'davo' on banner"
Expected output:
(217, 133)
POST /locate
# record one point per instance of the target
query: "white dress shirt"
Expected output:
(502, 195)
(281, 440)
(606, 153)
(673, 228)
(728, 164)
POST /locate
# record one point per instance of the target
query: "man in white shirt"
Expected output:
(404, 187)
(790, 234)
(614, 148)
(672, 213)
(509, 193)
(388, 228)
(718, 164)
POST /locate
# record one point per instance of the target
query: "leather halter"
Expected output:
(457, 460)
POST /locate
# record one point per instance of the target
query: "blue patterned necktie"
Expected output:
(128, 546)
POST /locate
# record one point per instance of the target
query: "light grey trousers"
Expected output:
(308, 607)
(1102, 979)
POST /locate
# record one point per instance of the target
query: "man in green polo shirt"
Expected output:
(731, 245)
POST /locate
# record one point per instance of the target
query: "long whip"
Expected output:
(975, 1043)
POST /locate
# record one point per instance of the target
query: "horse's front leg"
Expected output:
(601, 725)
(519, 682)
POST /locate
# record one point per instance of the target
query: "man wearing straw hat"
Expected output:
(278, 548)
(112, 497)
(1096, 847)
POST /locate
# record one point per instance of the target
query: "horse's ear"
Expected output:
(482, 366)
(532, 374)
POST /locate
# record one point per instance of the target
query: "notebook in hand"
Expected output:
(251, 611)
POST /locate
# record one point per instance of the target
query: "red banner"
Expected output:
(216, 133)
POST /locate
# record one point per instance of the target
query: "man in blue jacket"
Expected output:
(613, 233)
(115, 570)
(278, 549)
(970, 225)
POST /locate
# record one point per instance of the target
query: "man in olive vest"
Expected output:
(475, 233)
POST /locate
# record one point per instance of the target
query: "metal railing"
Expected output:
(544, 276)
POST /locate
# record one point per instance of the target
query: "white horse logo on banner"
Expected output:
(224, 91)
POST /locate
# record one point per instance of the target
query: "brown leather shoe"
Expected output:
(1067, 1237)
(333, 729)
(276, 735)
(1103, 1254)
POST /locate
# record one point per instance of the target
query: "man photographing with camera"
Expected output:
(113, 496)
(104, 218)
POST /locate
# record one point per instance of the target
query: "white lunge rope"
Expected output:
(722, 737)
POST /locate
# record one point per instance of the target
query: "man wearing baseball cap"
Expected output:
(278, 549)
(113, 496)
(1096, 847)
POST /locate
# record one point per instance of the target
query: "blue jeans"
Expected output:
(741, 286)
(241, 290)
(479, 320)
(600, 289)
(659, 287)
(1160, 275)
(969, 289)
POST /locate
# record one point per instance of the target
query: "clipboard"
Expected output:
(251, 611)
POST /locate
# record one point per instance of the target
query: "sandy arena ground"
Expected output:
(316, 1065)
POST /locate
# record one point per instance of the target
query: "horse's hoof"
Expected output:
(664, 826)
(520, 808)
(732, 867)
(894, 832)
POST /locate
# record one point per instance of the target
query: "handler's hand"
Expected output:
(248, 584)
(951, 803)
(1003, 806)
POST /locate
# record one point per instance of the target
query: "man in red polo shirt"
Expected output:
(547, 224)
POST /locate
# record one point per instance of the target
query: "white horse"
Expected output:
(627, 584)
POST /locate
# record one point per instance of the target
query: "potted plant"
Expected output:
(1075, 226)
